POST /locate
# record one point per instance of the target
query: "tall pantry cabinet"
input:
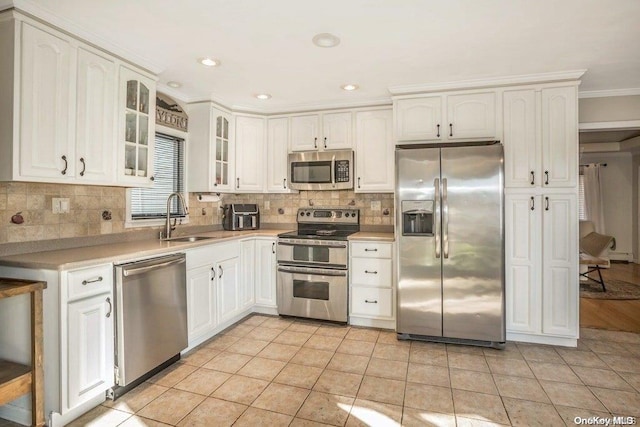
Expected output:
(541, 215)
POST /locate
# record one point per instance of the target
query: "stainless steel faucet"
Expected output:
(168, 227)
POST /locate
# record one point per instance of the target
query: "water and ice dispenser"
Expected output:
(417, 218)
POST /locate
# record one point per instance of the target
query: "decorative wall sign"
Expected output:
(169, 113)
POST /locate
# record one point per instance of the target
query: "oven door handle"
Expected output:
(309, 244)
(313, 271)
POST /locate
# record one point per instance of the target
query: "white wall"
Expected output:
(609, 109)
(617, 188)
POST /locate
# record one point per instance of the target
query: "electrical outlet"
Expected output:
(60, 205)
(376, 205)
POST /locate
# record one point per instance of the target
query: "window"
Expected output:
(151, 203)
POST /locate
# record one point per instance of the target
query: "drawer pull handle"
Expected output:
(86, 282)
(110, 307)
(371, 272)
(371, 250)
(371, 302)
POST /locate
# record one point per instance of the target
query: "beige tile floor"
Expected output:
(269, 371)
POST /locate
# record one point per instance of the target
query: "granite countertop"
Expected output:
(67, 259)
(372, 235)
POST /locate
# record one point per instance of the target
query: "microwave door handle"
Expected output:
(333, 170)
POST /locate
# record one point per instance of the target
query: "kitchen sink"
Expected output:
(189, 239)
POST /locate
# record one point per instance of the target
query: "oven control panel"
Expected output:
(320, 216)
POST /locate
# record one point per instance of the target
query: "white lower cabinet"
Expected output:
(265, 270)
(215, 292)
(371, 284)
(90, 343)
(247, 273)
(89, 334)
(541, 267)
(228, 289)
(201, 301)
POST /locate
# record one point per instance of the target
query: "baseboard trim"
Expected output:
(372, 323)
(542, 339)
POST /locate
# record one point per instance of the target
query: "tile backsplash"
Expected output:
(87, 204)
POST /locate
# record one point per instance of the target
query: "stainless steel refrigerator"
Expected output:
(450, 231)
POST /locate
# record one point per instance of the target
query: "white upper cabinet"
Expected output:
(46, 105)
(137, 106)
(305, 132)
(468, 116)
(336, 131)
(250, 154)
(374, 151)
(210, 152)
(277, 148)
(471, 116)
(521, 152)
(96, 125)
(559, 137)
(72, 124)
(419, 118)
(540, 138)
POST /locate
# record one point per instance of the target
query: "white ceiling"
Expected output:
(265, 46)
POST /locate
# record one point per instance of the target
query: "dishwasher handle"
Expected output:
(129, 271)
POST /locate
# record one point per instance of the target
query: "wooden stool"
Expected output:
(595, 264)
(16, 379)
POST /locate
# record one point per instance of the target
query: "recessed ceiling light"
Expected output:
(174, 84)
(325, 40)
(263, 96)
(349, 87)
(209, 62)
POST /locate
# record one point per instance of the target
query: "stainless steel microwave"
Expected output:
(321, 170)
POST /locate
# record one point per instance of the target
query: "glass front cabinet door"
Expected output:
(222, 159)
(137, 120)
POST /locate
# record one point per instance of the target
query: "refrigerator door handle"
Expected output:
(445, 219)
(436, 186)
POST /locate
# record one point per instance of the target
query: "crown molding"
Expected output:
(51, 18)
(489, 82)
(313, 106)
(608, 92)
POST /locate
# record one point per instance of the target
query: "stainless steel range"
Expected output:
(313, 264)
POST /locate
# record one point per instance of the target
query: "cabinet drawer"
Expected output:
(90, 281)
(371, 272)
(372, 302)
(371, 249)
(200, 256)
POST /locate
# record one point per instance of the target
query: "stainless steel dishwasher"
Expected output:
(151, 318)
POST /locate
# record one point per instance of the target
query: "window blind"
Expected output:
(151, 203)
